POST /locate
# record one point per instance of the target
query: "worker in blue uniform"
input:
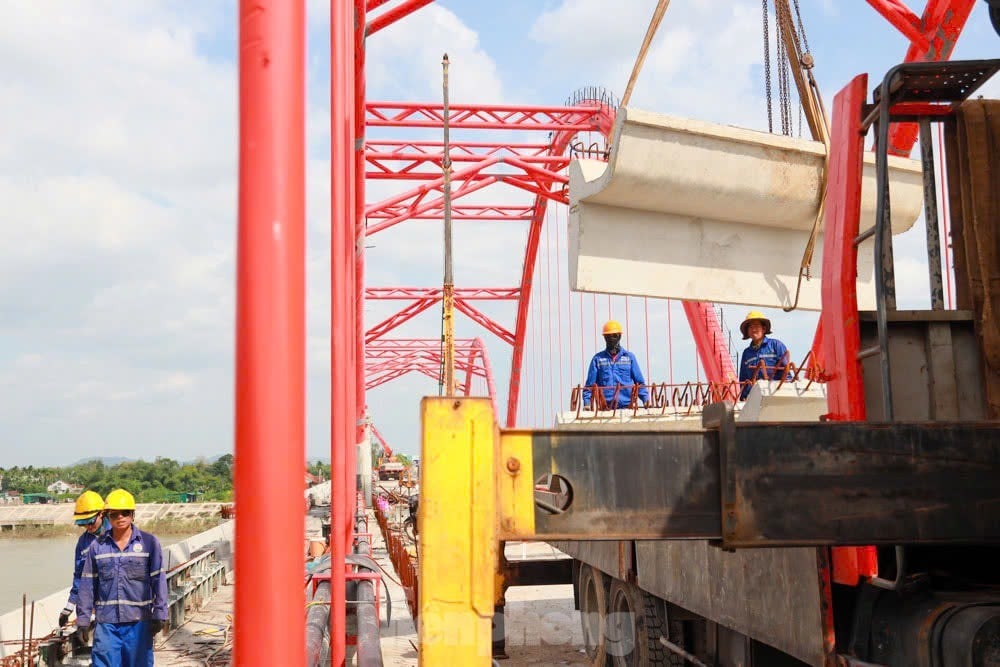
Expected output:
(614, 369)
(770, 353)
(125, 581)
(89, 513)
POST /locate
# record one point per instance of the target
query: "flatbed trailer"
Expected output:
(912, 492)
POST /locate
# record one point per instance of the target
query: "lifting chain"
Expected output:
(767, 64)
(783, 62)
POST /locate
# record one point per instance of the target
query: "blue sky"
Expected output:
(117, 170)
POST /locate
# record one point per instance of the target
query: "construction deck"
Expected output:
(542, 626)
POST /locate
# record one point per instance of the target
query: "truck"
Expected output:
(894, 560)
(390, 469)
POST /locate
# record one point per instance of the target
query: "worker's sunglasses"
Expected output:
(115, 515)
(87, 522)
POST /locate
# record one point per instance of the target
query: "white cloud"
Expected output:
(116, 170)
(118, 177)
(699, 64)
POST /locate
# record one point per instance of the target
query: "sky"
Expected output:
(118, 177)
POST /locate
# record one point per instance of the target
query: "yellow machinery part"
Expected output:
(515, 486)
(458, 538)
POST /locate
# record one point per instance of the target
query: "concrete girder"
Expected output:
(693, 210)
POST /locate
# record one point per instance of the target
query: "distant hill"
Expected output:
(115, 460)
(106, 460)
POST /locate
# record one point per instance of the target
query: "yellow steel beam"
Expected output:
(515, 486)
(458, 537)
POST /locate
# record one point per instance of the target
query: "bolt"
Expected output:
(457, 404)
(513, 465)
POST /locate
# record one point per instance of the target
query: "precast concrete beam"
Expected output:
(693, 210)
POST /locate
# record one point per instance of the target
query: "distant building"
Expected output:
(183, 497)
(60, 487)
(312, 480)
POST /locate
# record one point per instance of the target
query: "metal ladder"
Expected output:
(923, 93)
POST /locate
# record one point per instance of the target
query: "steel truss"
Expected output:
(270, 333)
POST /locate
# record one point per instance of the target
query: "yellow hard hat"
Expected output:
(120, 499)
(611, 327)
(88, 505)
(751, 316)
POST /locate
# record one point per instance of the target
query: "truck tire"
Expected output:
(592, 591)
(635, 625)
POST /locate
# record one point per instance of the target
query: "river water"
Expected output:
(38, 567)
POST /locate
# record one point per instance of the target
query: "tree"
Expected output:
(319, 469)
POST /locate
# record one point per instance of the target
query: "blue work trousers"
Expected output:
(123, 645)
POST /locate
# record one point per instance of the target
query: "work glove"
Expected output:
(156, 626)
(84, 633)
(64, 616)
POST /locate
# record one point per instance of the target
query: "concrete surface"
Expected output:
(206, 639)
(799, 401)
(62, 513)
(710, 212)
(542, 626)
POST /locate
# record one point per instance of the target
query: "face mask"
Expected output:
(611, 344)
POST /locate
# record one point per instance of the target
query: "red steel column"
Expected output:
(359, 235)
(270, 335)
(839, 317)
(342, 326)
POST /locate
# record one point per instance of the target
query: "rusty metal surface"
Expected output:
(614, 558)
(787, 484)
(848, 483)
(772, 595)
(639, 485)
(937, 369)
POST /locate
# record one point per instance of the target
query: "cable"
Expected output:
(548, 296)
(654, 23)
(670, 341)
(559, 293)
(583, 352)
(628, 323)
(538, 352)
(645, 317)
(593, 329)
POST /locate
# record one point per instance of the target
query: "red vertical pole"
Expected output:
(359, 207)
(270, 335)
(343, 350)
(839, 318)
(838, 335)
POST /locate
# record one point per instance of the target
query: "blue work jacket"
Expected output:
(608, 372)
(773, 353)
(123, 585)
(80, 555)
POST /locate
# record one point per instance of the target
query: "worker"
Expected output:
(769, 352)
(125, 580)
(614, 368)
(89, 513)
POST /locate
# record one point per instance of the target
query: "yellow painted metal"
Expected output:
(458, 541)
(515, 486)
(448, 303)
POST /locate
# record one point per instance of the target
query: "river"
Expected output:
(38, 567)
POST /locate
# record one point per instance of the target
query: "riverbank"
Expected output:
(159, 527)
(35, 521)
